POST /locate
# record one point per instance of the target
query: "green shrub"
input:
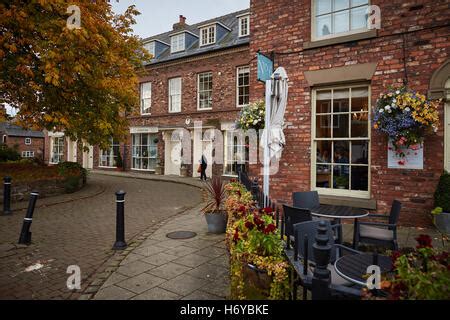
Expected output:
(8, 154)
(442, 195)
(69, 169)
(71, 184)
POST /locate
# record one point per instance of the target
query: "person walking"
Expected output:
(203, 166)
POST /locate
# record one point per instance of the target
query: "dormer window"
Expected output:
(150, 47)
(208, 35)
(244, 26)
(177, 43)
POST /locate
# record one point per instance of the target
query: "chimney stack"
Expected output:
(181, 24)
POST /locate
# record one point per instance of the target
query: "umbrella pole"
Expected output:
(267, 128)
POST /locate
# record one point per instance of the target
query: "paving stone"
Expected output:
(219, 287)
(149, 250)
(192, 260)
(169, 271)
(220, 261)
(212, 252)
(113, 279)
(157, 294)
(181, 251)
(184, 284)
(135, 268)
(200, 244)
(114, 293)
(141, 283)
(159, 259)
(201, 295)
(169, 243)
(208, 271)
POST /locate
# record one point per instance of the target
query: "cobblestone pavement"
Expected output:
(79, 229)
(165, 269)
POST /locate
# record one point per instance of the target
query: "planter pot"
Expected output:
(158, 170)
(442, 222)
(217, 222)
(257, 283)
(183, 172)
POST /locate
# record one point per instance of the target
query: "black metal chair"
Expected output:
(308, 200)
(379, 233)
(302, 259)
(291, 216)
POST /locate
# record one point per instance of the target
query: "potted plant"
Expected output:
(418, 274)
(441, 213)
(406, 117)
(183, 170)
(341, 182)
(214, 211)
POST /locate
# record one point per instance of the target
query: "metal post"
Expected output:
(120, 221)
(7, 195)
(322, 253)
(25, 234)
(254, 189)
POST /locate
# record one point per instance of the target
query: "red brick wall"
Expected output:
(284, 25)
(223, 65)
(37, 145)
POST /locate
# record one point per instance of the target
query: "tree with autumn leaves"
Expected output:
(80, 81)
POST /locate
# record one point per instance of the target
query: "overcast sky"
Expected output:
(158, 16)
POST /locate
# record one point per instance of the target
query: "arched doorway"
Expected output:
(440, 89)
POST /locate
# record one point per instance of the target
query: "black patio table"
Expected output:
(337, 213)
(353, 267)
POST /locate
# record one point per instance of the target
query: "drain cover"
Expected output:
(178, 235)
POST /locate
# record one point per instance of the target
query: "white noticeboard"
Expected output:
(412, 157)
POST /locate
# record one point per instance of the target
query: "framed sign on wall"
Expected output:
(404, 157)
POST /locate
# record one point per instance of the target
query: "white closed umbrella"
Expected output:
(273, 139)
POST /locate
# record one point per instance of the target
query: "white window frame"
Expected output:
(60, 149)
(150, 46)
(198, 91)
(208, 35)
(314, 36)
(4, 139)
(178, 42)
(137, 153)
(241, 20)
(338, 192)
(172, 94)
(110, 155)
(27, 154)
(238, 87)
(149, 97)
(28, 141)
(230, 159)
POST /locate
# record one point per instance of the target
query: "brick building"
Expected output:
(198, 72)
(337, 68)
(28, 143)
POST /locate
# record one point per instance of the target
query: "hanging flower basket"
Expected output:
(406, 117)
(252, 116)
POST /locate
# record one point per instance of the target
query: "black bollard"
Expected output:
(322, 253)
(7, 195)
(120, 221)
(25, 234)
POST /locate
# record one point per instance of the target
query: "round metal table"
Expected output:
(354, 267)
(337, 213)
